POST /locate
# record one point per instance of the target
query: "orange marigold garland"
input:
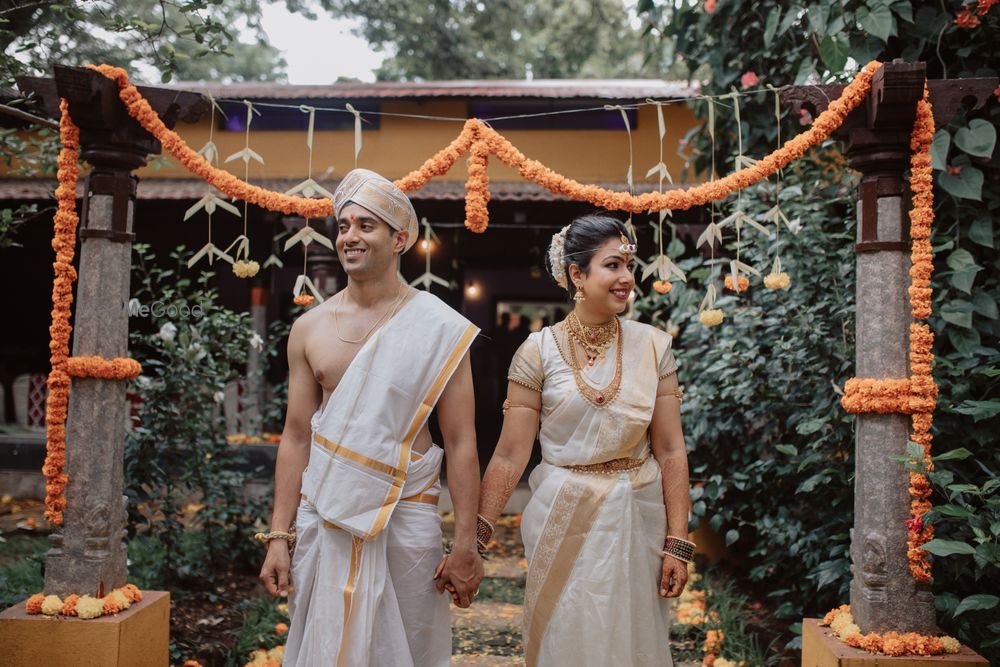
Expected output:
(64, 244)
(917, 395)
(891, 643)
(112, 603)
(923, 389)
(141, 110)
(477, 188)
(440, 162)
(474, 132)
(120, 368)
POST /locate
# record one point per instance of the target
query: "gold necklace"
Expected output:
(594, 339)
(596, 397)
(392, 308)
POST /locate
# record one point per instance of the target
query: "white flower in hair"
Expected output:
(557, 257)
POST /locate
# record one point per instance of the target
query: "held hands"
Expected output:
(275, 573)
(460, 573)
(673, 578)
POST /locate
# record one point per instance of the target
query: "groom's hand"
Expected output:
(277, 565)
(460, 573)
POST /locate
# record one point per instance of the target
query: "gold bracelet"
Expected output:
(276, 535)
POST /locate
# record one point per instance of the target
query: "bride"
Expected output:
(605, 529)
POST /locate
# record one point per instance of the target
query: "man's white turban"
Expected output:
(380, 196)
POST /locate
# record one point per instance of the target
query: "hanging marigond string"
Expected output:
(477, 188)
(64, 243)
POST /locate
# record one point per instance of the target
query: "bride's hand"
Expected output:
(673, 578)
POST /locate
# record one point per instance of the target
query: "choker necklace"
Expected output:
(594, 339)
(596, 397)
(391, 309)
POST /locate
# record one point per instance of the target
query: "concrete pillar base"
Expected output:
(136, 637)
(820, 648)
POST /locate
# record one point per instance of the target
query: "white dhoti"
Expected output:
(368, 539)
(400, 620)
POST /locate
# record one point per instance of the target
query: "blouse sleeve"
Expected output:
(526, 366)
(667, 363)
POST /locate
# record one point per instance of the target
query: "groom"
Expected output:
(357, 473)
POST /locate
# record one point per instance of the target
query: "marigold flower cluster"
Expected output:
(263, 657)
(742, 284)
(245, 268)
(84, 607)
(776, 281)
(891, 643)
(662, 286)
(711, 317)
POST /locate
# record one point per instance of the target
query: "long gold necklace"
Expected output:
(596, 397)
(594, 339)
(390, 309)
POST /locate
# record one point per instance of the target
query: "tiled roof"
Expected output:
(165, 189)
(611, 89)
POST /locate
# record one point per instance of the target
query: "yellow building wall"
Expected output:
(400, 145)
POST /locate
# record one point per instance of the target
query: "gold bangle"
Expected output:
(679, 548)
(276, 535)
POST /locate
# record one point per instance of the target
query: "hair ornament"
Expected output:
(557, 257)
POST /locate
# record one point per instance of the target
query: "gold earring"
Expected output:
(579, 296)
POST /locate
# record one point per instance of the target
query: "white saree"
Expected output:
(369, 535)
(594, 541)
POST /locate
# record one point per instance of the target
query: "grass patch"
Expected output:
(502, 589)
(22, 558)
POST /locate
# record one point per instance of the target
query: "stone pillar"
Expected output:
(88, 554)
(884, 595)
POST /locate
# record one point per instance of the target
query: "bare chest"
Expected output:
(329, 359)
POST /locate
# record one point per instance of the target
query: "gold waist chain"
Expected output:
(609, 467)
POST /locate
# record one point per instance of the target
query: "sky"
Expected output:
(319, 51)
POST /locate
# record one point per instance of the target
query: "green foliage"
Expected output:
(770, 441)
(188, 39)
(967, 542)
(260, 615)
(788, 42)
(21, 558)
(732, 612)
(186, 484)
(450, 39)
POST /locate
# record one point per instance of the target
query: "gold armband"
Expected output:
(507, 405)
(676, 393)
